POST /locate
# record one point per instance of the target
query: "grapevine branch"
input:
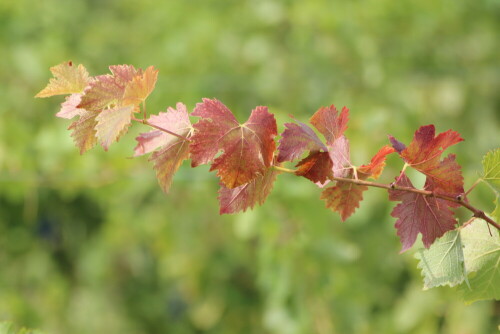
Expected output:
(244, 154)
(476, 212)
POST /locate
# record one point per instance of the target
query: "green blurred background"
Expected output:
(90, 244)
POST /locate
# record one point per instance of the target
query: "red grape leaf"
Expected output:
(418, 213)
(247, 148)
(343, 198)
(84, 133)
(296, 139)
(424, 154)
(247, 195)
(68, 79)
(69, 108)
(376, 165)
(112, 123)
(108, 90)
(168, 159)
(316, 167)
(330, 123)
(173, 120)
(139, 88)
(173, 150)
(447, 176)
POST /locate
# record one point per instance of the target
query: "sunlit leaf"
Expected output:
(68, 79)
(247, 149)
(111, 123)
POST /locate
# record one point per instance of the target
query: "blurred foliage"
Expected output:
(91, 245)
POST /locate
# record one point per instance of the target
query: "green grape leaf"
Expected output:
(496, 213)
(68, 79)
(482, 262)
(491, 168)
(112, 123)
(443, 262)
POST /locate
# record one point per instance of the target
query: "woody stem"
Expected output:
(476, 212)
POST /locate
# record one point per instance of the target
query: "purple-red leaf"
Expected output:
(247, 149)
(418, 213)
(297, 139)
(247, 195)
(396, 144)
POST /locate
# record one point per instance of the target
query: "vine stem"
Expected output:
(458, 200)
(145, 121)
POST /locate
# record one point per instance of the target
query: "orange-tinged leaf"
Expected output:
(247, 149)
(330, 123)
(424, 154)
(425, 150)
(316, 167)
(376, 165)
(112, 123)
(68, 79)
(343, 198)
(139, 88)
(108, 90)
(84, 133)
(247, 195)
(418, 213)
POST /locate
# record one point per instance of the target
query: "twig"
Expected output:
(476, 212)
(145, 121)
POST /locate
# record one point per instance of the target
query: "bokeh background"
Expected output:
(90, 244)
